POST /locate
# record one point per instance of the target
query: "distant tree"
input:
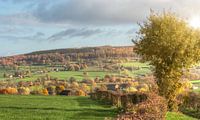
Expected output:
(71, 67)
(72, 79)
(5, 75)
(170, 45)
(76, 67)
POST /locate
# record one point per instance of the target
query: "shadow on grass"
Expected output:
(192, 113)
(78, 113)
(57, 109)
(85, 109)
(83, 102)
(104, 111)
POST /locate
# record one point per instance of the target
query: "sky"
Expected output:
(33, 25)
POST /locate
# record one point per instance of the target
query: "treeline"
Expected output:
(62, 56)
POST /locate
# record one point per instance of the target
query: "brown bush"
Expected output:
(154, 108)
(51, 90)
(191, 103)
(80, 93)
(23, 91)
(59, 89)
(3, 91)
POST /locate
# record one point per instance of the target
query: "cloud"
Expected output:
(109, 11)
(35, 37)
(18, 19)
(73, 32)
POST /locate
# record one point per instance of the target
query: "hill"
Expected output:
(62, 56)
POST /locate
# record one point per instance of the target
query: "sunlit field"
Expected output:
(15, 107)
(52, 108)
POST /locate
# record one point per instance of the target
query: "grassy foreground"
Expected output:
(52, 108)
(13, 107)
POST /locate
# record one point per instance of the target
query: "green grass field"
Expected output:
(195, 81)
(178, 116)
(15, 107)
(135, 64)
(144, 68)
(65, 75)
(52, 108)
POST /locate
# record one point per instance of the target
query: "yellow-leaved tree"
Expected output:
(171, 46)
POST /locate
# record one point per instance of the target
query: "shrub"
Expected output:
(35, 90)
(80, 93)
(9, 91)
(3, 91)
(74, 85)
(103, 87)
(154, 108)
(76, 67)
(23, 90)
(59, 89)
(131, 89)
(84, 87)
(44, 92)
(51, 90)
(191, 104)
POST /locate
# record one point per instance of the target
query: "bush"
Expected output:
(51, 90)
(154, 108)
(9, 91)
(191, 104)
(74, 85)
(35, 90)
(80, 93)
(59, 89)
(23, 90)
(3, 91)
(131, 89)
(44, 92)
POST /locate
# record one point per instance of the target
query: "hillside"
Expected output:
(61, 56)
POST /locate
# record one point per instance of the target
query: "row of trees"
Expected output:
(67, 55)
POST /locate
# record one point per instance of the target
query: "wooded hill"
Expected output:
(61, 56)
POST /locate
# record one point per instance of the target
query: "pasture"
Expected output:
(14, 107)
(93, 72)
(52, 108)
(65, 75)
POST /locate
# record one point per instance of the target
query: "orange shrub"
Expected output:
(80, 93)
(3, 91)
(44, 92)
(11, 90)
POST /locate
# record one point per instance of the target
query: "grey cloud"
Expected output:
(36, 37)
(109, 11)
(10, 29)
(18, 19)
(71, 33)
(39, 34)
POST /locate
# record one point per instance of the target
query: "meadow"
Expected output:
(15, 107)
(92, 72)
(52, 108)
